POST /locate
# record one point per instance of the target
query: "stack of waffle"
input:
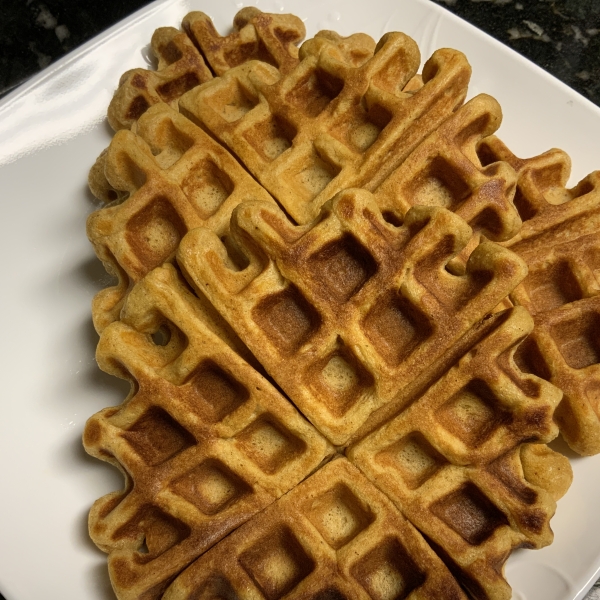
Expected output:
(352, 320)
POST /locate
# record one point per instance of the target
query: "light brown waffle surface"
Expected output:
(205, 443)
(334, 536)
(268, 37)
(203, 440)
(180, 68)
(444, 439)
(339, 119)
(445, 170)
(560, 242)
(344, 312)
(455, 464)
(189, 58)
(163, 180)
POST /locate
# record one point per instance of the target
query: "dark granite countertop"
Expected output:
(562, 36)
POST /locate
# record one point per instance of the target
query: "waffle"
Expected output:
(454, 461)
(389, 354)
(203, 440)
(445, 170)
(334, 536)
(165, 179)
(343, 312)
(271, 38)
(365, 292)
(338, 120)
(205, 443)
(181, 67)
(559, 241)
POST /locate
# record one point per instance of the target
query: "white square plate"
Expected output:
(52, 129)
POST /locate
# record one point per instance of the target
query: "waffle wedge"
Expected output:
(345, 311)
(338, 120)
(446, 170)
(560, 242)
(189, 58)
(333, 536)
(161, 181)
(457, 462)
(204, 441)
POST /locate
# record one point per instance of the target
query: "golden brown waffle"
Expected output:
(204, 442)
(366, 312)
(344, 312)
(202, 451)
(560, 242)
(334, 536)
(445, 170)
(542, 175)
(454, 464)
(181, 66)
(339, 119)
(271, 38)
(174, 178)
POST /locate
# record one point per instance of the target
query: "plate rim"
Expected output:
(144, 13)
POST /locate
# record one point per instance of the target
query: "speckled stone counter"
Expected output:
(33, 34)
(562, 36)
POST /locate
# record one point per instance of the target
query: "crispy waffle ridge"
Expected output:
(334, 536)
(560, 243)
(203, 440)
(271, 38)
(446, 170)
(339, 119)
(385, 350)
(161, 181)
(189, 58)
(343, 312)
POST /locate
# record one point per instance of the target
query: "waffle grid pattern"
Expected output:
(189, 58)
(240, 249)
(559, 242)
(358, 322)
(340, 119)
(160, 182)
(203, 440)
